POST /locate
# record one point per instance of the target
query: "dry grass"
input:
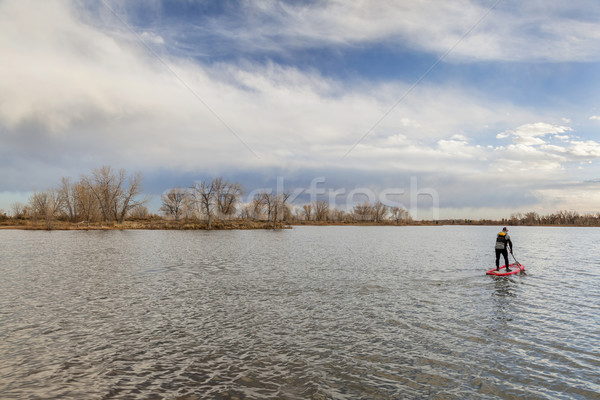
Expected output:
(147, 224)
(157, 223)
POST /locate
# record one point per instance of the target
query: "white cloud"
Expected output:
(539, 129)
(532, 134)
(528, 140)
(396, 140)
(529, 144)
(460, 137)
(595, 118)
(106, 100)
(554, 148)
(587, 149)
(516, 31)
(529, 160)
(581, 196)
(152, 38)
(410, 123)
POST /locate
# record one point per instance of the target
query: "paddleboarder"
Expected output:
(502, 243)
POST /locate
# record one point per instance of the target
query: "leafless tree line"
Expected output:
(203, 200)
(377, 212)
(108, 195)
(218, 199)
(105, 195)
(557, 218)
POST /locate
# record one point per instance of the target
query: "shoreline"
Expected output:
(241, 225)
(140, 225)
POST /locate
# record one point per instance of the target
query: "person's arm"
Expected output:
(510, 243)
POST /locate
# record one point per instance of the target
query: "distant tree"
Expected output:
(380, 211)
(115, 193)
(531, 218)
(140, 212)
(246, 211)
(288, 213)
(399, 215)
(297, 213)
(45, 206)
(174, 202)
(515, 218)
(282, 211)
(274, 204)
(307, 209)
(363, 212)
(18, 210)
(265, 201)
(321, 208)
(127, 200)
(204, 198)
(257, 207)
(86, 202)
(67, 200)
(337, 215)
(227, 196)
(106, 188)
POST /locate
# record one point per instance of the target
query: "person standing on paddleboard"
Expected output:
(502, 243)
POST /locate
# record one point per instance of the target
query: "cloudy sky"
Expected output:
(493, 105)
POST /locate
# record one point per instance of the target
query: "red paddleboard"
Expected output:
(515, 269)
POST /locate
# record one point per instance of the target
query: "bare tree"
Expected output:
(399, 215)
(363, 212)
(127, 201)
(115, 197)
(188, 210)
(307, 208)
(45, 205)
(246, 211)
(227, 196)
(258, 207)
(337, 215)
(531, 218)
(298, 213)
(140, 212)
(18, 210)
(174, 202)
(265, 201)
(106, 188)
(281, 210)
(39, 204)
(204, 197)
(86, 202)
(379, 211)
(275, 205)
(515, 218)
(66, 195)
(321, 208)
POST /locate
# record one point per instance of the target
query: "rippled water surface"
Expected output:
(311, 312)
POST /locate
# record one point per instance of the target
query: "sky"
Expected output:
(462, 108)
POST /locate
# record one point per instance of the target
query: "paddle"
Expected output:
(518, 263)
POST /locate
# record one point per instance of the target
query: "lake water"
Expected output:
(310, 312)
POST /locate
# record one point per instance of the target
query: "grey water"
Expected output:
(308, 312)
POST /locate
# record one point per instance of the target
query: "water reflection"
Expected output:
(504, 296)
(504, 287)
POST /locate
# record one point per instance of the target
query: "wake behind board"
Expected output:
(515, 269)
